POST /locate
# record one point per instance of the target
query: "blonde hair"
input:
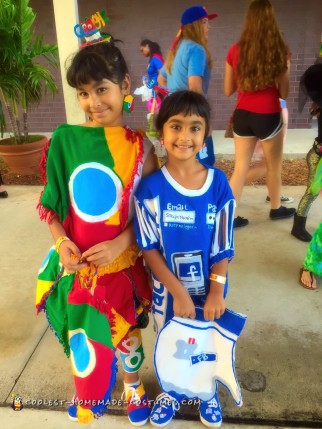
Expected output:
(262, 50)
(194, 32)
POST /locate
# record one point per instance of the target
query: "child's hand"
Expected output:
(183, 305)
(102, 253)
(215, 305)
(69, 255)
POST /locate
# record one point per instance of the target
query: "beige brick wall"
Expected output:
(133, 20)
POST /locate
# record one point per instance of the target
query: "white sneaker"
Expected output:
(284, 199)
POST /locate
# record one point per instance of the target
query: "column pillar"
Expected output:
(66, 17)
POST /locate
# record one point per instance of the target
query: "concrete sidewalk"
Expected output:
(44, 419)
(278, 356)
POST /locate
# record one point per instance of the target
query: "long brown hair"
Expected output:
(262, 50)
(194, 32)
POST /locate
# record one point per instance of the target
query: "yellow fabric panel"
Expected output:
(123, 165)
(43, 287)
(124, 154)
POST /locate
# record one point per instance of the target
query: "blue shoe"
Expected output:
(98, 410)
(164, 409)
(138, 407)
(72, 410)
(210, 413)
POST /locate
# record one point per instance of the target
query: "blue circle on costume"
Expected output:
(85, 196)
(95, 191)
(81, 353)
(46, 260)
(83, 356)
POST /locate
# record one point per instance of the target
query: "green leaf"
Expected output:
(25, 59)
(2, 121)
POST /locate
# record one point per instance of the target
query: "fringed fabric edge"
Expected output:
(124, 209)
(59, 335)
(118, 325)
(41, 306)
(43, 162)
(42, 303)
(45, 214)
(113, 380)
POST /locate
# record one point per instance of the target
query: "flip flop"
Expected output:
(303, 284)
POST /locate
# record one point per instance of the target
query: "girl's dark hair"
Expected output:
(311, 83)
(97, 62)
(185, 103)
(154, 47)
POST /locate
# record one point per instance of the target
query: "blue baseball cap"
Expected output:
(194, 13)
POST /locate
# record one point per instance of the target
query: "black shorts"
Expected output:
(264, 126)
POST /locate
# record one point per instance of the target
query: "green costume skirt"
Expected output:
(313, 258)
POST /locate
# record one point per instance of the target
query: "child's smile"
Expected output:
(183, 147)
(184, 136)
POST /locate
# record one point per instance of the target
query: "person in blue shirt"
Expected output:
(153, 51)
(184, 226)
(189, 62)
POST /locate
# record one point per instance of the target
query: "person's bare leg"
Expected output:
(273, 153)
(258, 169)
(131, 377)
(285, 123)
(256, 172)
(244, 149)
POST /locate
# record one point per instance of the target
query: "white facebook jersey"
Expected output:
(193, 229)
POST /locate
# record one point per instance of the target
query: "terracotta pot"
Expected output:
(23, 158)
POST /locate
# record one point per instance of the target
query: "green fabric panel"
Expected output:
(316, 186)
(71, 146)
(94, 323)
(56, 310)
(313, 258)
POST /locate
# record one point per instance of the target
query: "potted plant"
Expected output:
(23, 82)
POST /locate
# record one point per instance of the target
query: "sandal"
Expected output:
(311, 276)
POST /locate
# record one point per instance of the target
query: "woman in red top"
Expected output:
(258, 68)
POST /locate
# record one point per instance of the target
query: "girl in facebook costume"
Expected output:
(184, 225)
